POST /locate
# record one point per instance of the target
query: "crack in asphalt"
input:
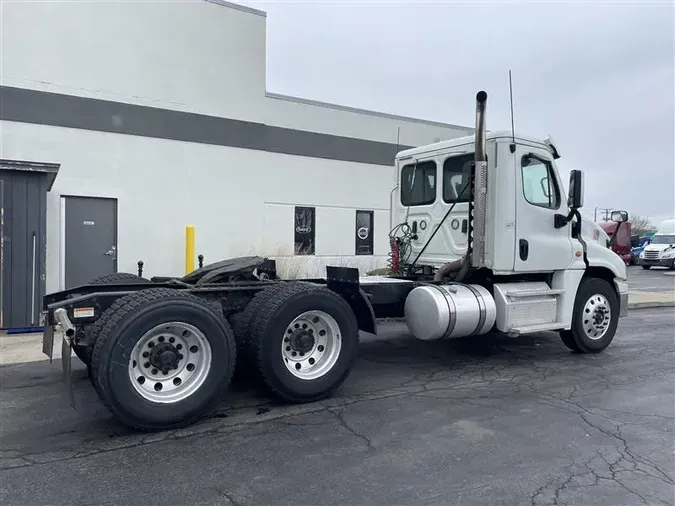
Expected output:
(340, 417)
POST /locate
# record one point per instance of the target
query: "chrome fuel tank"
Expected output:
(449, 311)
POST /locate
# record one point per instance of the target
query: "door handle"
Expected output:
(524, 249)
(112, 252)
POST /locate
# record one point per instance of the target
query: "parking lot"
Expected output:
(490, 421)
(656, 279)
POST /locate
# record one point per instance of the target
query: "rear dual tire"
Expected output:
(300, 339)
(151, 389)
(83, 351)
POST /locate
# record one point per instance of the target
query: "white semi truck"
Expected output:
(483, 240)
(660, 252)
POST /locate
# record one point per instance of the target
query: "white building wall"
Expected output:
(200, 57)
(240, 201)
(190, 55)
(302, 114)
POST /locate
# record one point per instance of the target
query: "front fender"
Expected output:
(600, 256)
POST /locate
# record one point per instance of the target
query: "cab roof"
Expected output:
(470, 139)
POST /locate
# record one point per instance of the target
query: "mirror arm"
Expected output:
(560, 220)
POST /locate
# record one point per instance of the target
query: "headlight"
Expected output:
(642, 254)
(669, 253)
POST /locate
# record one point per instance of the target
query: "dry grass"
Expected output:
(297, 266)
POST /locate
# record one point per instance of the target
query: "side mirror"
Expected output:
(619, 216)
(575, 200)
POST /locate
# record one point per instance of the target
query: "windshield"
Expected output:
(663, 239)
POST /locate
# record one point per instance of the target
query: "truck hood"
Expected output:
(659, 247)
(597, 252)
(591, 231)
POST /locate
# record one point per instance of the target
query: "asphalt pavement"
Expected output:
(493, 421)
(656, 279)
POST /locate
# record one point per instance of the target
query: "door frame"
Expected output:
(2, 250)
(62, 230)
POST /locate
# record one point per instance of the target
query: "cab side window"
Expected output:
(456, 173)
(418, 184)
(540, 187)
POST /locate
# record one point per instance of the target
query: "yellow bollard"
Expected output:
(189, 249)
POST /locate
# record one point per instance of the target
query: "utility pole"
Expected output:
(605, 210)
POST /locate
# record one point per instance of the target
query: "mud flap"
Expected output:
(48, 342)
(66, 355)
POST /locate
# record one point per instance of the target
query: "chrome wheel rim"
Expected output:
(597, 317)
(311, 345)
(170, 362)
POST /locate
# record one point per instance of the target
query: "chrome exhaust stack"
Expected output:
(475, 253)
(479, 197)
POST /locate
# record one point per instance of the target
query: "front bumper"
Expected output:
(658, 262)
(622, 291)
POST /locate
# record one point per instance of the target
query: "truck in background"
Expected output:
(660, 250)
(639, 243)
(619, 239)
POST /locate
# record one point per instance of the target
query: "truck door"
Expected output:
(540, 247)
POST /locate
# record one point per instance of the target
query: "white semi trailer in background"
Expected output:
(483, 239)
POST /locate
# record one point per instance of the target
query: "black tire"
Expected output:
(83, 352)
(646, 266)
(577, 336)
(267, 333)
(120, 277)
(568, 340)
(124, 324)
(241, 322)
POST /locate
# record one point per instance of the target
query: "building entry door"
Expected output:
(90, 238)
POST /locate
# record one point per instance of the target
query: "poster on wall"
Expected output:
(304, 222)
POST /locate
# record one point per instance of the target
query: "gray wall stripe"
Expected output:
(44, 108)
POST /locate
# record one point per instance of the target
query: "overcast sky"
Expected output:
(597, 76)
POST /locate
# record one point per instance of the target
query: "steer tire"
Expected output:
(568, 340)
(646, 267)
(124, 325)
(83, 352)
(593, 293)
(269, 328)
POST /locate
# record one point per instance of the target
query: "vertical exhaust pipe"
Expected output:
(478, 205)
(475, 253)
(481, 103)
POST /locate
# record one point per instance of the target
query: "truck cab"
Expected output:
(536, 257)
(526, 193)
